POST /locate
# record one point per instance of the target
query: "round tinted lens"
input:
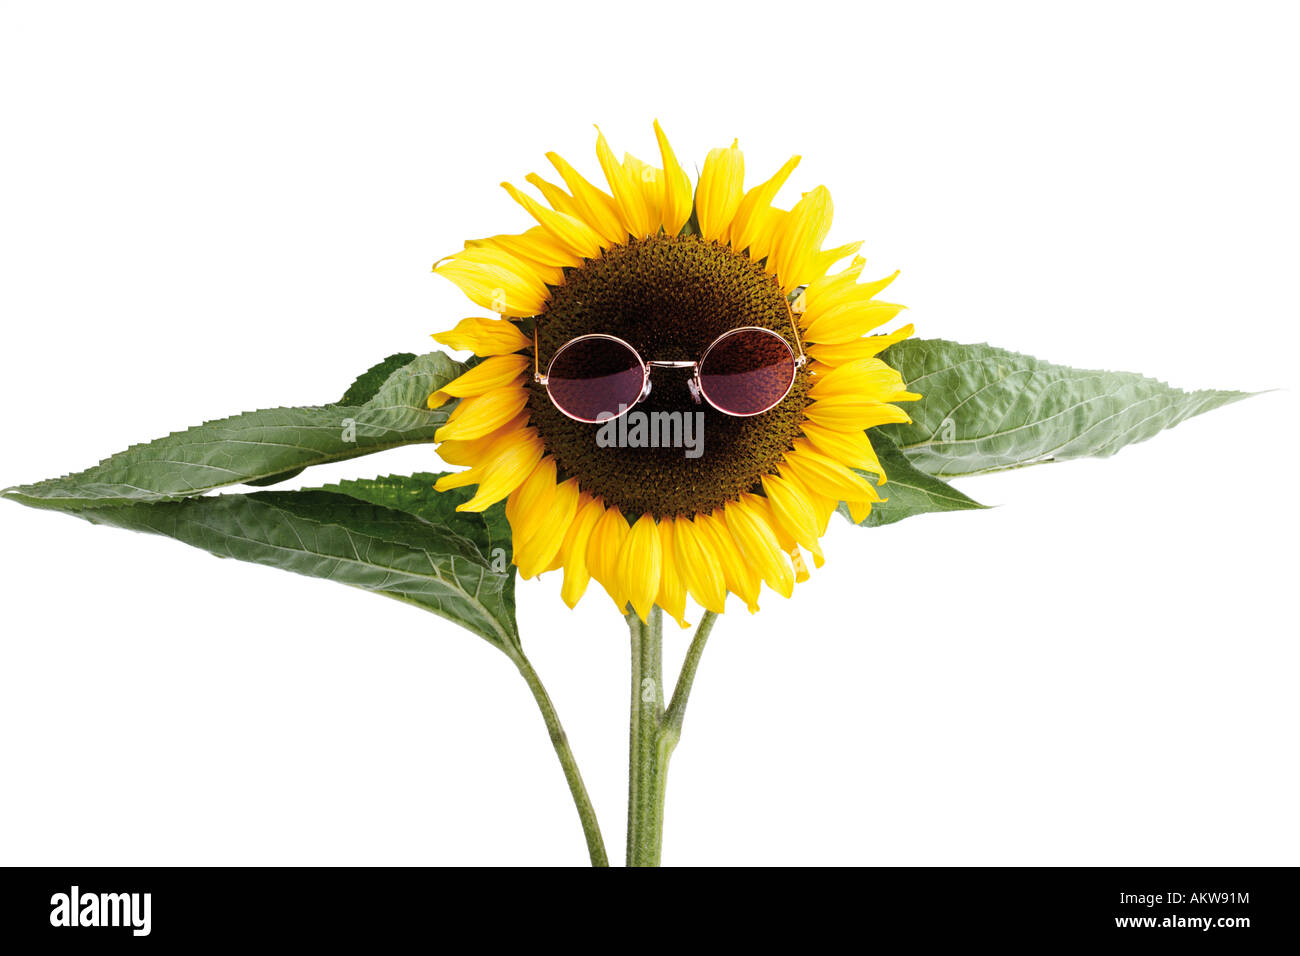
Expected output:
(595, 377)
(747, 371)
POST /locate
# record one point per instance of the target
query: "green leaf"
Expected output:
(394, 536)
(488, 530)
(909, 490)
(263, 445)
(369, 381)
(360, 392)
(421, 559)
(275, 479)
(986, 409)
(414, 494)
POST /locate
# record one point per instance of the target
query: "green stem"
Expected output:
(676, 713)
(654, 731)
(646, 766)
(586, 812)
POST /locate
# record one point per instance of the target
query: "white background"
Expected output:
(215, 207)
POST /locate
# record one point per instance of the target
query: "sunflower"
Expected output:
(668, 270)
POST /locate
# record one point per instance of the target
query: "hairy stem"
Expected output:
(654, 731)
(676, 712)
(586, 812)
(646, 766)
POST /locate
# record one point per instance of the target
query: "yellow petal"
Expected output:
(629, 199)
(800, 239)
(847, 322)
(822, 261)
(521, 458)
(800, 568)
(793, 512)
(640, 565)
(765, 508)
(484, 336)
(865, 347)
(699, 566)
(647, 180)
(758, 544)
(720, 189)
(526, 508)
(560, 200)
(672, 592)
(499, 371)
(506, 472)
(544, 545)
(597, 207)
(845, 412)
(866, 378)
(495, 256)
(475, 417)
(574, 549)
(476, 450)
(747, 225)
(872, 289)
(480, 453)
(535, 245)
(825, 291)
(824, 506)
(603, 551)
(858, 510)
(851, 447)
(458, 479)
(825, 475)
(843, 288)
(525, 560)
(496, 281)
(676, 202)
(556, 562)
(742, 579)
(570, 232)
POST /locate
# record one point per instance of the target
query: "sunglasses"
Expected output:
(743, 372)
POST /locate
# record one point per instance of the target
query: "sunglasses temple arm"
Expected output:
(538, 377)
(801, 358)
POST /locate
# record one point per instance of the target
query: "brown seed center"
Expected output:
(669, 297)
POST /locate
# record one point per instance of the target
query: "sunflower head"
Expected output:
(667, 272)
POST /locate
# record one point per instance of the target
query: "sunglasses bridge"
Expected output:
(692, 384)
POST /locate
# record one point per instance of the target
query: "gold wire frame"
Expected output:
(791, 310)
